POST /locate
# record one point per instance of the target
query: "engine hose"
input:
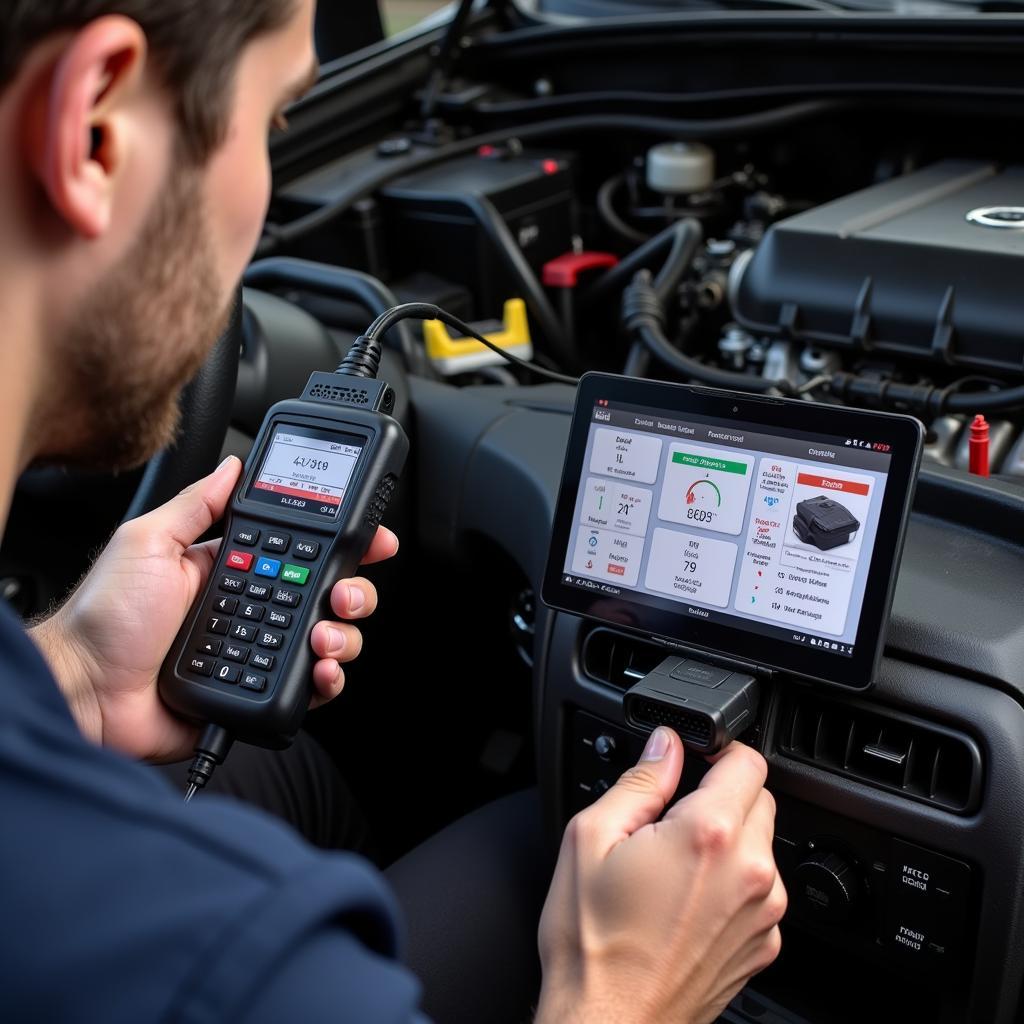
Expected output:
(924, 400)
(985, 401)
(644, 317)
(638, 362)
(606, 208)
(662, 349)
(666, 245)
(686, 238)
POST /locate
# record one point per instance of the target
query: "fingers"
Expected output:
(761, 819)
(333, 643)
(638, 798)
(737, 777)
(336, 640)
(383, 546)
(190, 514)
(328, 682)
(354, 599)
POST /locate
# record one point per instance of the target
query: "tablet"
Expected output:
(760, 529)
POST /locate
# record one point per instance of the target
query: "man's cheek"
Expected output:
(237, 208)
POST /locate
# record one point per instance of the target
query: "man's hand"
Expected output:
(650, 920)
(106, 644)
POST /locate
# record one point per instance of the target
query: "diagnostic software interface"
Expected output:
(768, 532)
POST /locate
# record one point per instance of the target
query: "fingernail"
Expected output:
(356, 598)
(226, 462)
(336, 639)
(657, 745)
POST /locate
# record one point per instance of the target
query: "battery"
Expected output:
(430, 221)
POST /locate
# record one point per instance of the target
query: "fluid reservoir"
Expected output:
(680, 168)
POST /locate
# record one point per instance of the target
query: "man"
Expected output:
(134, 179)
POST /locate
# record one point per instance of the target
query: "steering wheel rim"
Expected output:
(206, 405)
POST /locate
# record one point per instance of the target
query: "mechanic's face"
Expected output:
(149, 325)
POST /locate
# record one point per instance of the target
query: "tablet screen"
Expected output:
(765, 525)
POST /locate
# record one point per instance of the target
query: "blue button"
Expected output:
(268, 567)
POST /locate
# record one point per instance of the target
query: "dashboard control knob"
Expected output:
(604, 747)
(826, 888)
(600, 787)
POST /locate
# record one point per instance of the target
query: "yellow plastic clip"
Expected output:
(460, 355)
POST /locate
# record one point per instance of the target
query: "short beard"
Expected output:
(141, 337)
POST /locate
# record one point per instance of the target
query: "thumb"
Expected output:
(187, 516)
(642, 793)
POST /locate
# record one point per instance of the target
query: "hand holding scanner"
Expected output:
(321, 474)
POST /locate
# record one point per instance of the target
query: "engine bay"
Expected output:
(895, 295)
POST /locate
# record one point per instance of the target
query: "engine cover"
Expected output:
(930, 264)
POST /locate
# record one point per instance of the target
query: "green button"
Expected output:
(295, 574)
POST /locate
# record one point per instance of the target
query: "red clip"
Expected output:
(564, 271)
(977, 446)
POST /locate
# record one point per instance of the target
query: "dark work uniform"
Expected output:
(119, 903)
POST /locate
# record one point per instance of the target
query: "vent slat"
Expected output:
(851, 734)
(933, 786)
(908, 767)
(882, 748)
(794, 726)
(819, 734)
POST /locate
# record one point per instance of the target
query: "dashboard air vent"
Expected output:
(619, 660)
(883, 748)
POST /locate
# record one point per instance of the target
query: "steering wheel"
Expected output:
(205, 416)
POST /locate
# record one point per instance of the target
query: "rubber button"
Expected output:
(240, 560)
(228, 674)
(259, 591)
(253, 681)
(269, 567)
(200, 666)
(296, 574)
(233, 653)
(217, 624)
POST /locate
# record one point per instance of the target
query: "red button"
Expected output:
(239, 560)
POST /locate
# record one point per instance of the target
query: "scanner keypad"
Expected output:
(249, 615)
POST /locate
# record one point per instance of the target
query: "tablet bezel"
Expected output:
(904, 434)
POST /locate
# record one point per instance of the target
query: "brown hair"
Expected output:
(195, 44)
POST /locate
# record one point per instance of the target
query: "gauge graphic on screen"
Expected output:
(706, 487)
(704, 493)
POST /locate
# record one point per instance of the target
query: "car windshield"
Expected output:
(627, 8)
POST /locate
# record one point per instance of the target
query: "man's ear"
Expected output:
(79, 140)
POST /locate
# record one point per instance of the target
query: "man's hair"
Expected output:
(195, 46)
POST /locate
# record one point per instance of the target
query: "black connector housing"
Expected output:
(707, 706)
(357, 392)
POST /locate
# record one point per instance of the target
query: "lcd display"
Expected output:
(307, 470)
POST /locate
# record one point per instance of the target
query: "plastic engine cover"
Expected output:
(929, 264)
